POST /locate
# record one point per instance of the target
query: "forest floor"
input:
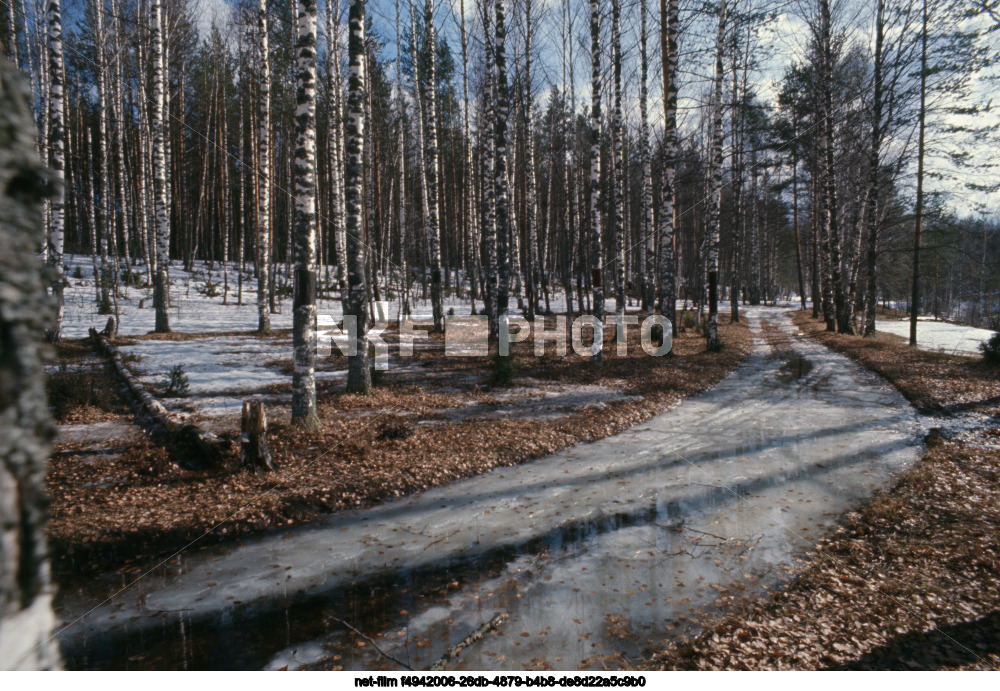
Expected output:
(435, 421)
(911, 580)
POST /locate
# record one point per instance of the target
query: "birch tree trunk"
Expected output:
(432, 224)
(26, 617)
(263, 175)
(531, 192)
(715, 204)
(336, 147)
(304, 315)
(500, 171)
(646, 235)
(161, 285)
(830, 221)
(874, 161)
(596, 353)
(358, 374)
(618, 163)
(404, 272)
(57, 161)
(669, 23)
(469, 221)
(489, 165)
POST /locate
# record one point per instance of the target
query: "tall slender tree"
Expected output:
(646, 235)
(596, 248)
(57, 161)
(669, 25)
(503, 205)
(433, 226)
(358, 374)
(715, 202)
(161, 286)
(304, 315)
(263, 174)
(530, 191)
(618, 164)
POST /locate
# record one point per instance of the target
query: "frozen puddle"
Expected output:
(606, 549)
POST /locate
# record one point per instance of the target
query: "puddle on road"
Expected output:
(575, 598)
(690, 513)
(795, 368)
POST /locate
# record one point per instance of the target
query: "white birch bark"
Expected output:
(531, 203)
(336, 146)
(26, 591)
(358, 373)
(263, 176)
(646, 235)
(500, 170)
(304, 315)
(57, 161)
(432, 224)
(489, 165)
(161, 287)
(618, 163)
(469, 221)
(595, 178)
(666, 267)
(715, 203)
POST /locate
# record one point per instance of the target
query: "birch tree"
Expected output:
(263, 175)
(715, 202)
(500, 171)
(596, 355)
(304, 315)
(358, 373)
(669, 23)
(531, 193)
(26, 617)
(57, 161)
(161, 286)
(618, 164)
(432, 224)
(646, 235)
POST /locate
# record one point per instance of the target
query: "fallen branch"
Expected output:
(207, 443)
(373, 644)
(494, 623)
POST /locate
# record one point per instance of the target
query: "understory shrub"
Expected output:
(991, 349)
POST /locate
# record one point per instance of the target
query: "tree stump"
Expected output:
(254, 456)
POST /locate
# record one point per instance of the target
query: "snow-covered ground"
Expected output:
(941, 336)
(194, 311)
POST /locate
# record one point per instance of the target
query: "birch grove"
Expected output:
(457, 170)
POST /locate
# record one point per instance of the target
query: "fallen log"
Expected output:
(209, 446)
